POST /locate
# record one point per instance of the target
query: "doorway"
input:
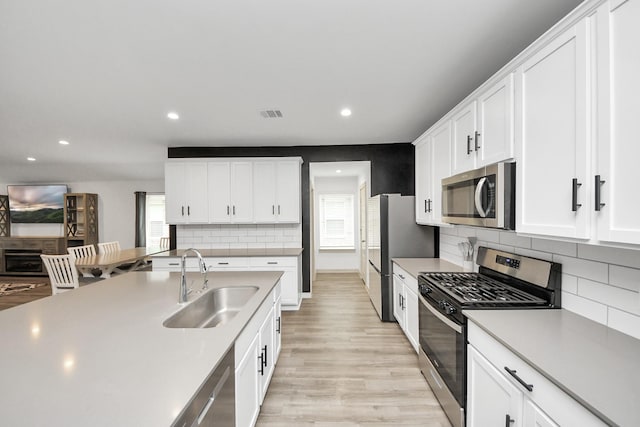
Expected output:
(338, 193)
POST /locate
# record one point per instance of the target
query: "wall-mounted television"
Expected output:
(36, 204)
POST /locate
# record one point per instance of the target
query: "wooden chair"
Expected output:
(81, 252)
(164, 243)
(62, 272)
(108, 247)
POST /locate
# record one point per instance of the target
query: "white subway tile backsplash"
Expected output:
(487, 235)
(624, 277)
(555, 246)
(618, 256)
(622, 299)
(467, 231)
(247, 239)
(453, 231)
(592, 270)
(265, 239)
(569, 283)
(585, 307)
(512, 239)
(228, 239)
(624, 322)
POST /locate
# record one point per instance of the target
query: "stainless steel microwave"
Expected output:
(483, 197)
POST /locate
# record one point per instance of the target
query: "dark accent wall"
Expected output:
(392, 171)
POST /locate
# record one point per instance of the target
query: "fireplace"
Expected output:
(23, 261)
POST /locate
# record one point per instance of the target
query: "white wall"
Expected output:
(598, 282)
(116, 209)
(337, 260)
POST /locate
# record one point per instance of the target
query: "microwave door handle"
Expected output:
(478, 197)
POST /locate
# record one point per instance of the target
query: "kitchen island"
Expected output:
(100, 355)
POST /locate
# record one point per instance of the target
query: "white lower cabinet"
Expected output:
(503, 389)
(405, 304)
(256, 353)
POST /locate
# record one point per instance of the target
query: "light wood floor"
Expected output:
(341, 366)
(8, 301)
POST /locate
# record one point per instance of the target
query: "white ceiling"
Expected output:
(103, 74)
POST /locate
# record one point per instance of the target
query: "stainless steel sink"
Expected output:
(214, 308)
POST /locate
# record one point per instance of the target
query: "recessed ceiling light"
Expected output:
(63, 142)
(31, 159)
(345, 112)
(173, 115)
(338, 171)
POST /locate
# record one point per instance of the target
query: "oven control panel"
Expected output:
(509, 262)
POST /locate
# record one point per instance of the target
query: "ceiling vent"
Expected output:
(271, 114)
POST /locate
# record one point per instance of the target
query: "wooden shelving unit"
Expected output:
(5, 223)
(80, 219)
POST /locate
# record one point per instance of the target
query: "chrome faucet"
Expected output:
(184, 292)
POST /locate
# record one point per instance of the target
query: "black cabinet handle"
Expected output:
(512, 372)
(261, 370)
(468, 144)
(429, 204)
(183, 211)
(599, 183)
(234, 209)
(272, 262)
(425, 207)
(278, 209)
(227, 209)
(273, 209)
(477, 146)
(278, 328)
(189, 210)
(265, 356)
(223, 263)
(574, 194)
(508, 421)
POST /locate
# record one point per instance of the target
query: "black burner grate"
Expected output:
(469, 289)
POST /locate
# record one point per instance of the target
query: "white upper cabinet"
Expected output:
(276, 191)
(552, 196)
(186, 193)
(483, 128)
(230, 192)
(432, 162)
(618, 108)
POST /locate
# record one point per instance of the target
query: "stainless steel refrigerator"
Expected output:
(392, 232)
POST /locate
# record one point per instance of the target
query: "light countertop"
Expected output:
(413, 266)
(236, 252)
(596, 365)
(99, 355)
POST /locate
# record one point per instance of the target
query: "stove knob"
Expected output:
(442, 304)
(424, 289)
(451, 310)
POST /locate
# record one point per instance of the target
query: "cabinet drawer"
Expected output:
(274, 262)
(228, 262)
(173, 264)
(561, 407)
(409, 281)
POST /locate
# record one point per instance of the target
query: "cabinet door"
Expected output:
(534, 417)
(197, 201)
(552, 143)
(266, 346)
(241, 192)
(248, 387)
(411, 317)
(464, 128)
(219, 174)
(494, 143)
(264, 192)
(277, 342)
(423, 181)
(440, 167)
(175, 198)
(289, 281)
(619, 110)
(398, 295)
(491, 398)
(288, 191)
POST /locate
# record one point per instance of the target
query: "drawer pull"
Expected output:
(223, 263)
(272, 262)
(508, 420)
(512, 372)
(174, 263)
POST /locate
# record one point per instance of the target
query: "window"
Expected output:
(336, 221)
(155, 225)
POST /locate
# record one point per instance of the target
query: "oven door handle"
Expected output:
(478, 198)
(453, 325)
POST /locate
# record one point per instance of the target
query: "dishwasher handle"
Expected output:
(212, 398)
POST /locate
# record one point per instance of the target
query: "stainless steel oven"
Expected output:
(484, 197)
(442, 359)
(503, 281)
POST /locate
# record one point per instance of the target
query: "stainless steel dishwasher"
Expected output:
(215, 403)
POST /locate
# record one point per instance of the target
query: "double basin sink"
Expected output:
(214, 308)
